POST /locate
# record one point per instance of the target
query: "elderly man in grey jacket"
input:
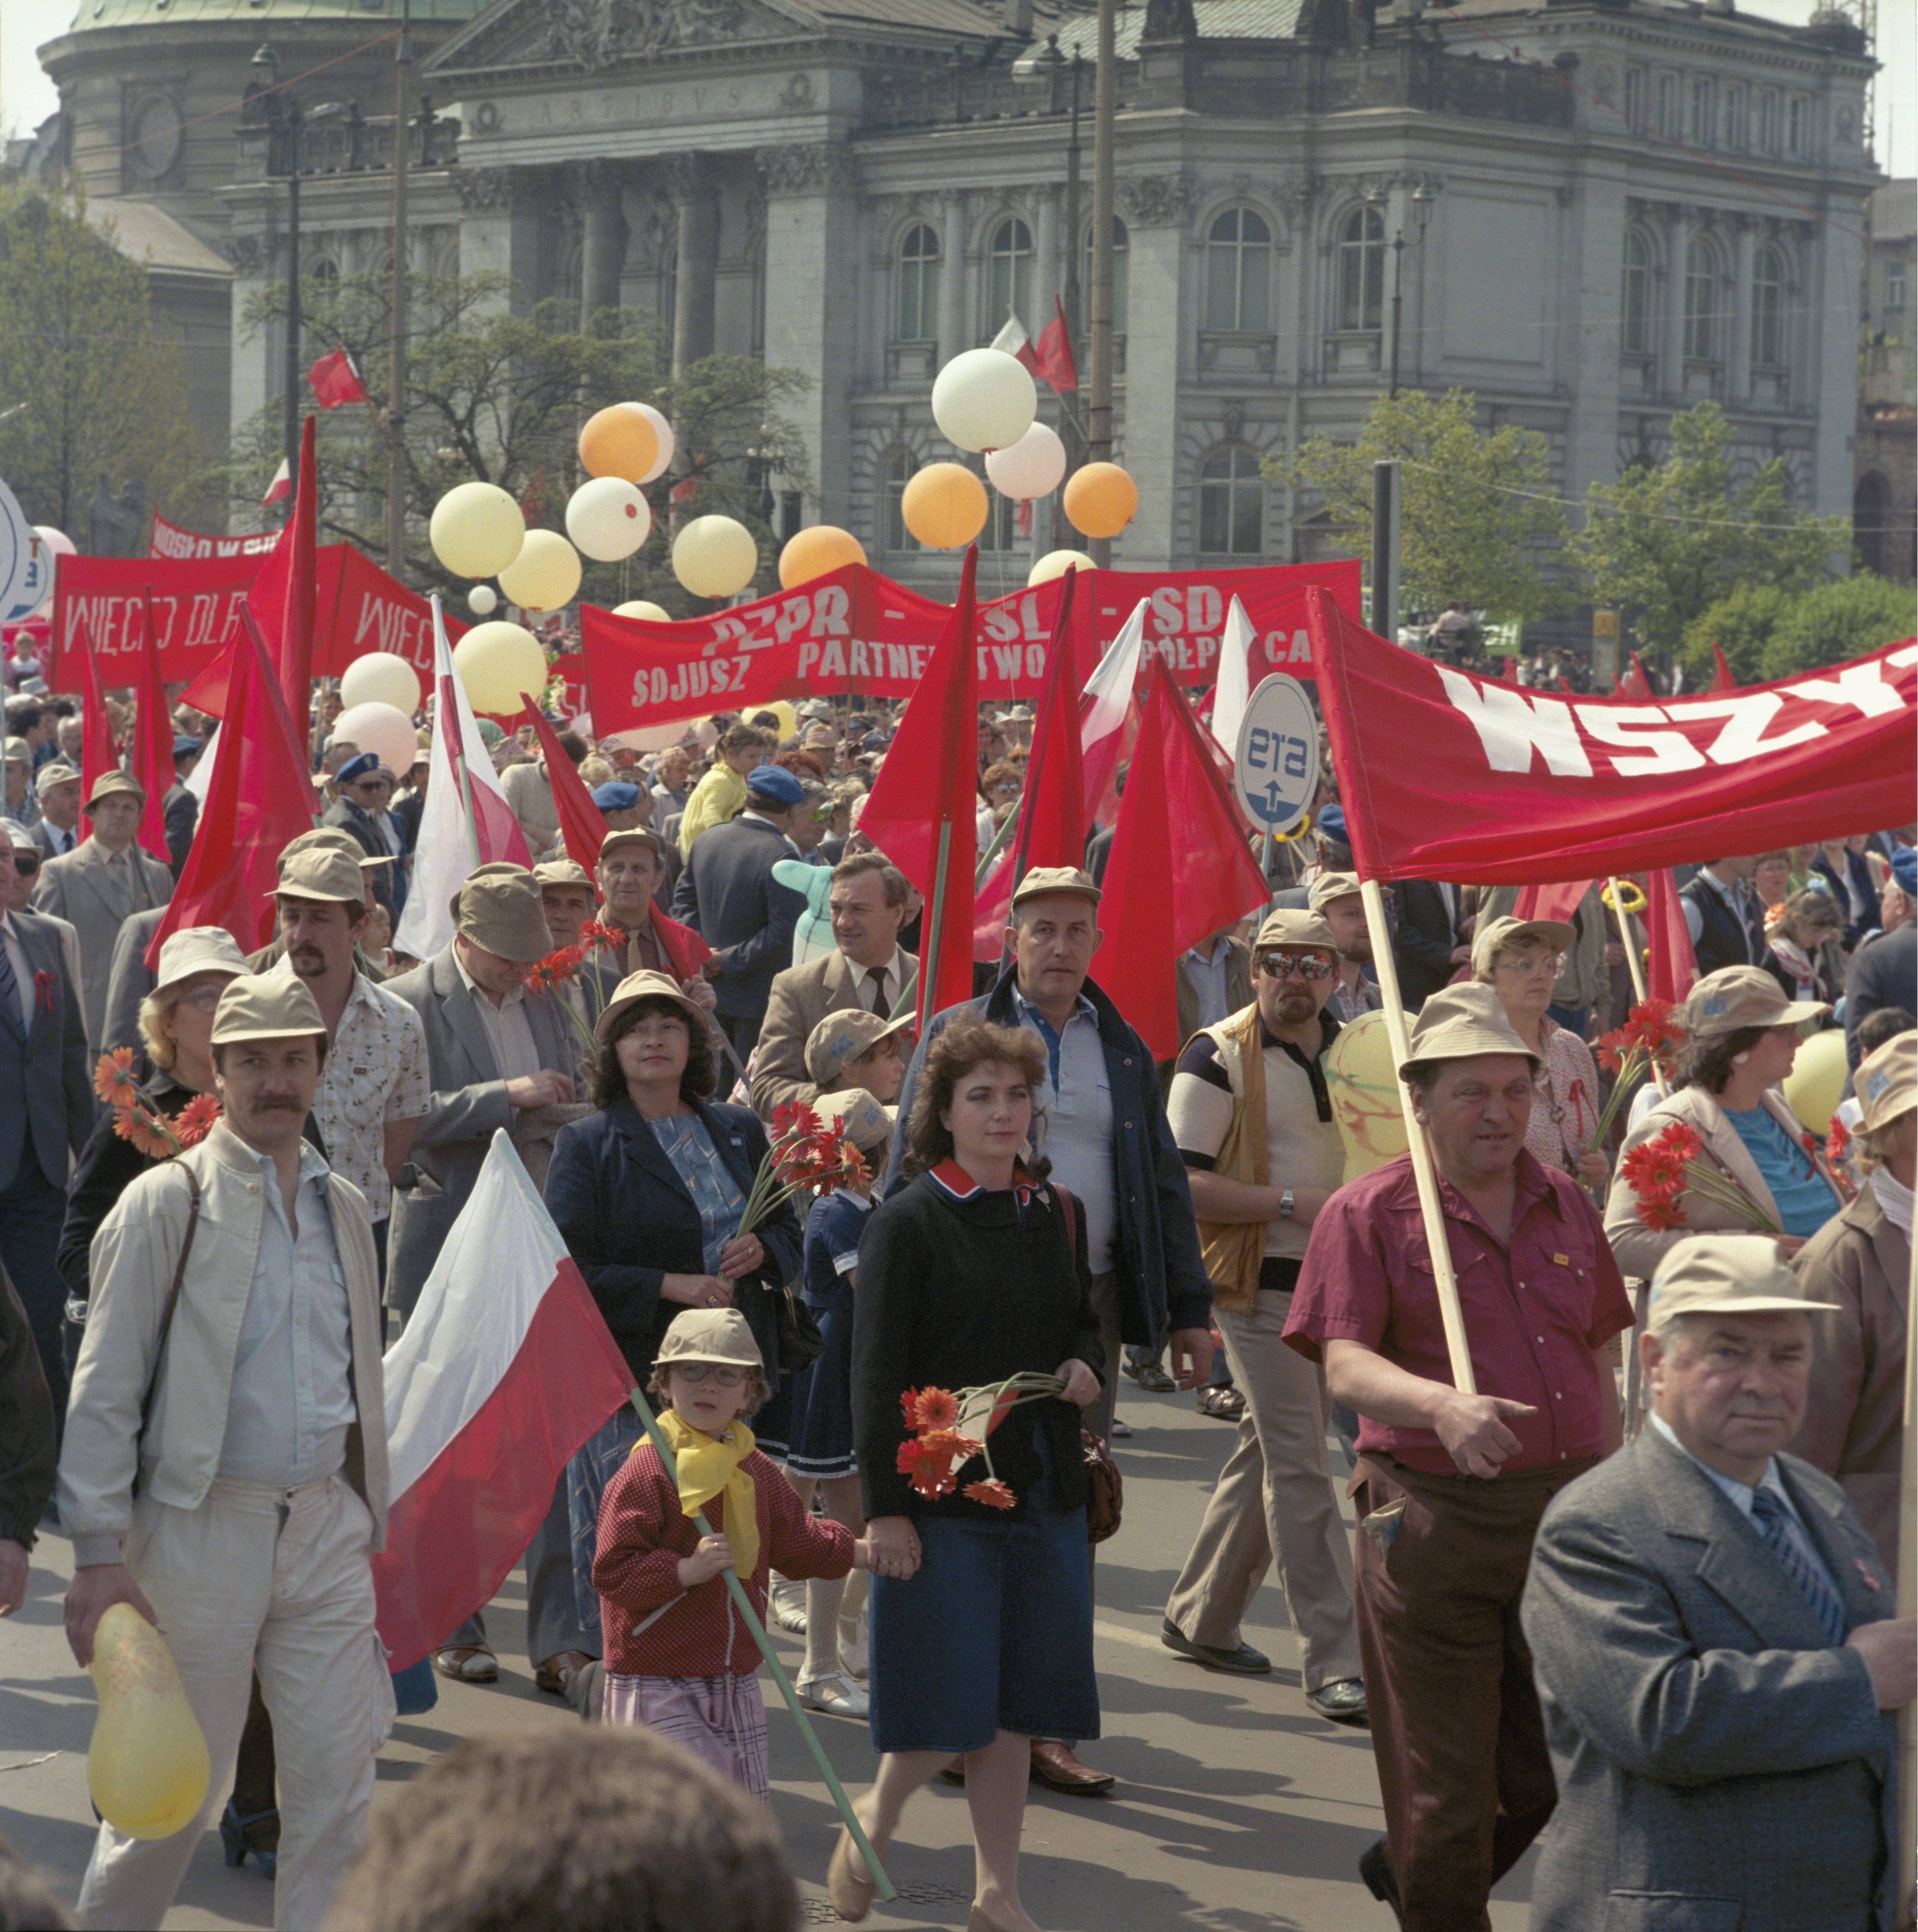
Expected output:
(224, 1471)
(1714, 1641)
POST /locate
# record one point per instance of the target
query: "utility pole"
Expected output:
(1385, 550)
(1105, 106)
(396, 375)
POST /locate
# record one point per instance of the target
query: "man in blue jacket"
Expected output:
(1110, 1146)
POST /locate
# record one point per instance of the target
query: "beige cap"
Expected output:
(857, 1115)
(332, 838)
(1057, 879)
(638, 986)
(265, 1005)
(1887, 1081)
(1294, 926)
(843, 1036)
(109, 782)
(1329, 886)
(710, 1335)
(561, 872)
(1461, 1022)
(17, 752)
(1735, 997)
(54, 771)
(502, 914)
(500, 869)
(321, 872)
(632, 835)
(1725, 1274)
(198, 949)
(1508, 935)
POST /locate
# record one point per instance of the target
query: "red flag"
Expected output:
(925, 803)
(260, 798)
(336, 382)
(1180, 867)
(1508, 670)
(1723, 680)
(209, 690)
(285, 595)
(1635, 683)
(1673, 966)
(153, 745)
(685, 951)
(97, 756)
(1557, 902)
(280, 488)
(581, 821)
(1054, 360)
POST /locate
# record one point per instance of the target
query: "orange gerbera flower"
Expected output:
(195, 1120)
(145, 1132)
(113, 1078)
(992, 1491)
(936, 1409)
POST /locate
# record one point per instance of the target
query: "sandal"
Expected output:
(467, 1663)
(555, 1676)
(236, 1843)
(1224, 1404)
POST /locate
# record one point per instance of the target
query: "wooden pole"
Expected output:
(1423, 1172)
(1907, 1603)
(1634, 965)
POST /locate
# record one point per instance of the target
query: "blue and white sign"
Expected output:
(26, 564)
(1275, 771)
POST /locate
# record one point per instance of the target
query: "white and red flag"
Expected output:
(505, 1368)
(281, 488)
(336, 381)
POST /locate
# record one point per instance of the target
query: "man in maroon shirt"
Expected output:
(1450, 1487)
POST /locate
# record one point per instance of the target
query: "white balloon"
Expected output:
(476, 529)
(1035, 466)
(379, 728)
(1056, 563)
(381, 677)
(545, 574)
(608, 518)
(984, 399)
(639, 607)
(663, 431)
(714, 556)
(496, 662)
(57, 541)
(482, 600)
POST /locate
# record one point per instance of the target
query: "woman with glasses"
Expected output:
(1519, 960)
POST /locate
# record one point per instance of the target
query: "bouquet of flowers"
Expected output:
(952, 1426)
(1662, 1170)
(1650, 1038)
(158, 1135)
(804, 1153)
(562, 968)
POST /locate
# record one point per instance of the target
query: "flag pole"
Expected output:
(936, 913)
(743, 1604)
(1445, 1279)
(1634, 965)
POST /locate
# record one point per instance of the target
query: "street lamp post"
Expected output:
(396, 379)
(1422, 214)
(1105, 111)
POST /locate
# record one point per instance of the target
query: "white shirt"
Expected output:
(508, 1031)
(1733, 896)
(1206, 976)
(1078, 1132)
(895, 973)
(16, 958)
(1895, 1197)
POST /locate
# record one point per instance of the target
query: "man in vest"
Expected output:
(1725, 916)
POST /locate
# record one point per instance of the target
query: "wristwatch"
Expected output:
(1287, 1205)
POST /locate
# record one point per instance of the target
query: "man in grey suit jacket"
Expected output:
(1714, 1642)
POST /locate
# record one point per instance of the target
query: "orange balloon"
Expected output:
(619, 442)
(1100, 500)
(813, 552)
(944, 505)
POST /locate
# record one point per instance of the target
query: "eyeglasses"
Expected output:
(204, 1000)
(25, 863)
(711, 1372)
(1300, 965)
(1533, 966)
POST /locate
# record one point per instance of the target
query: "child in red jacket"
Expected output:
(678, 1658)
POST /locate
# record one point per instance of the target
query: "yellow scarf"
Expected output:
(709, 1466)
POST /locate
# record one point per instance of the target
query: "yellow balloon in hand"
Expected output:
(1364, 1088)
(147, 1768)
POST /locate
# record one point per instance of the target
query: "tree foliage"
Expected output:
(1666, 543)
(500, 395)
(1779, 632)
(88, 389)
(1464, 532)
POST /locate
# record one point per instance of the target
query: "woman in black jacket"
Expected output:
(981, 1606)
(646, 1193)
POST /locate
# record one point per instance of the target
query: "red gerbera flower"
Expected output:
(195, 1120)
(991, 1491)
(1683, 1140)
(1661, 1211)
(113, 1078)
(936, 1408)
(133, 1125)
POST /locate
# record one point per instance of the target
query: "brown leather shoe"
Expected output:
(1054, 1764)
(555, 1676)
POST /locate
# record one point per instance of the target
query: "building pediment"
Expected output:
(586, 36)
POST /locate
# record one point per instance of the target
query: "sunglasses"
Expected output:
(1302, 965)
(25, 863)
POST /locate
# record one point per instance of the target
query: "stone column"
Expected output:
(953, 335)
(1738, 312)
(1155, 209)
(602, 254)
(1048, 270)
(695, 190)
(504, 211)
(1677, 239)
(1592, 268)
(1828, 266)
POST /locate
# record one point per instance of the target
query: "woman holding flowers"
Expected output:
(974, 1313)
(1722, 1153)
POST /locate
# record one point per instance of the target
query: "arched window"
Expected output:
(1119, 277)
(918, 286)
(1636, 336)
(895, 473)
(1767, 310)
(1701, 279)
(1232, 503)
(1362, 270)
(1009, 274)
(1239, 273)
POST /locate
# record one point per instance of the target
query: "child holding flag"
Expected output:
(677, 1659)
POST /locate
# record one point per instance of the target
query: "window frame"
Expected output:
(1699, 108)
(1768, 311)
(1121, 276)
(895, 469)
(1240, 248)
(1014, 261)
(911, 272)
(1636, 315)
(1368, 249)
(1700, 339)
(1225, 501)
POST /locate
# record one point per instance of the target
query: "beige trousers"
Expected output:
(277, 1578)
(1274, 1494)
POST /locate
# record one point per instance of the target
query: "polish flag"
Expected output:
(1107, 714)
(281, 488)
(505, 1370)
(1049, 359)
(1234, 691)
(336, 382)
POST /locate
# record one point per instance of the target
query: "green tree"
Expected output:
(500, 396)
(1839, 621)
(1476, 517)
(1741, 623)
(1666, 543)
(87, 388)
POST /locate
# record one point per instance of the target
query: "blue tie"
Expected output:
(10, 994)
(1775, 1525)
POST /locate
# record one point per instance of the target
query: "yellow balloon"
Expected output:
(944, 505)
(714, 556)
(789, 718)
(621, 442)
(496, 662)
(1363, 1083)
(544, 575)
(1816, 1083)
(148, 1767)
(813, 552)
(1056, 563)
(641, 607)
(476, 530)
(1100, 500)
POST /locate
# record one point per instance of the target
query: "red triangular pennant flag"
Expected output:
(581, 821)
(1723, 680)
(97, 754)
(284, 597)
(1635, 683)
(335, 381)
(153, 744)
(1673, 966)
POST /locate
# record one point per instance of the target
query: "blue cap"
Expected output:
(874, 741)
(775, 781)
(1332, 824)
(184, 747)
(354, 769)
(1905, 870)
(616, 795)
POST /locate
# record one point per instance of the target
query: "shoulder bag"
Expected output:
(166, 1313)
(1105, 1488)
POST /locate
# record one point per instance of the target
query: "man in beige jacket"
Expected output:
(230, 1375)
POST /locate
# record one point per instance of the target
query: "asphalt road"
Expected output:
(1236, 1809)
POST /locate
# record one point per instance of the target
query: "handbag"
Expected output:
(1105, 1488)
(801, 1343)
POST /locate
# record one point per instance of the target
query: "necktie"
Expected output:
(875, 994)
(9, 991)
(1775, 1526)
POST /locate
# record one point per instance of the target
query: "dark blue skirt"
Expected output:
(818, 1420)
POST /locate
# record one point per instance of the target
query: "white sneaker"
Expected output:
(852, 1658)
(788, 1605)
(835, 1694)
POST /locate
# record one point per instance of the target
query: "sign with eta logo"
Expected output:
(1276, 770)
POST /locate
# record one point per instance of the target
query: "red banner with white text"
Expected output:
(1444, 775)
(166, 539)
(853, 630)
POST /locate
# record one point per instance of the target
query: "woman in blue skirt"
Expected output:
(982, 1614)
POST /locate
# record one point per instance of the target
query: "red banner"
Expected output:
(166, 539)
(853, 630)
(1444, 775)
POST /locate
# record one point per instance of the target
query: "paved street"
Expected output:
(1237, 1810)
